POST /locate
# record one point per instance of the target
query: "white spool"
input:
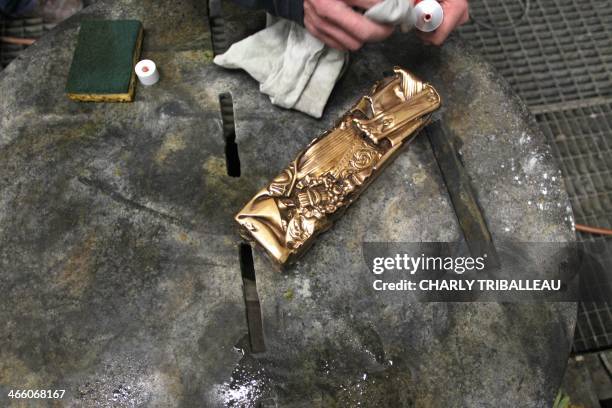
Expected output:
(428, 15)
(147, 72)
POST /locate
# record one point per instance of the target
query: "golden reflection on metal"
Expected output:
(303, 200)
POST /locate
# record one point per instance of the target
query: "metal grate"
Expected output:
(559, 52)
(594, 328)
(582, 141)
(26, 27)
(20, 28)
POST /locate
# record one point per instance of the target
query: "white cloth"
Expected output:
(295, 69)
(395, 12)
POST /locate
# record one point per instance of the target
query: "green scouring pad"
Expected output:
(102, 67)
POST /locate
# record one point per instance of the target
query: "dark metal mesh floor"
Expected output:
(560, 52)
(594, 328)
(582, 140)
(21, 28)
(558, 58)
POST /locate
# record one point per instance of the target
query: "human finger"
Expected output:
(330, 30)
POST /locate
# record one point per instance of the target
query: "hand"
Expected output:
(455, 14)
(336, 23)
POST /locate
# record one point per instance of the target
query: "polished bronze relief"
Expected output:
(304, 199)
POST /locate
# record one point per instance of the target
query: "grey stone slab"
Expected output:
(119, 274)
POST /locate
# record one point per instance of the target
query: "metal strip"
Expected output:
(458, 184)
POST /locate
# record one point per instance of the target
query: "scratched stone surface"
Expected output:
(119, 268)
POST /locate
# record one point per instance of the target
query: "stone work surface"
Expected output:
(119, 268)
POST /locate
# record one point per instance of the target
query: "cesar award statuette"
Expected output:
(335, 168)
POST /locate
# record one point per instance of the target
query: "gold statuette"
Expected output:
(302, 201)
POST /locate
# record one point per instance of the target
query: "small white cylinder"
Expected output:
(147, 72)
(428, 15)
